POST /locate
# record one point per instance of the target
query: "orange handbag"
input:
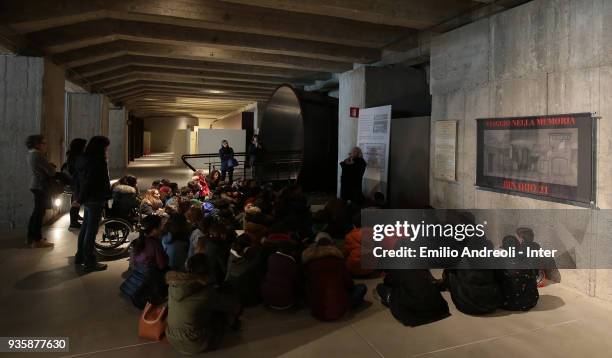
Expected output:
(152, 323)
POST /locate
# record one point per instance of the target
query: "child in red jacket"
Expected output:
(330, 291)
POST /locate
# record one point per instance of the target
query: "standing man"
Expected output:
(93, 191)
(42, 174)
(255, 153)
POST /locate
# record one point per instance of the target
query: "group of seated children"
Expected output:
(212, 249)
(414, 298)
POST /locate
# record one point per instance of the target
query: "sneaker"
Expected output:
(74, 226)
(96, 267)
(78, 261)
(41, 244)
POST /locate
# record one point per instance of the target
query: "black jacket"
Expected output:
(474, 291)
(92, 184)
(350, 181)
(415, 300)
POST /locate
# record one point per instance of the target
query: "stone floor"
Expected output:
(41, 294)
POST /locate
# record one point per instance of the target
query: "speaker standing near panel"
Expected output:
(353, 168)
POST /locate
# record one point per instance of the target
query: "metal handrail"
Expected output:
(289, 160)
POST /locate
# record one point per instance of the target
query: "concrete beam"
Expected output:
(115, 63)
(123, 72)
(417, 14)
(28, 16)
(101, 52)
(148, 91)
(96, 32)
(246, 86)
(191, 86)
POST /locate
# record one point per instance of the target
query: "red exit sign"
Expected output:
(354, 112)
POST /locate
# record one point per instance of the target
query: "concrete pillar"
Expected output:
(86, 115)
(352, 93)
(31, 90)
(404, 88)
(117, 134)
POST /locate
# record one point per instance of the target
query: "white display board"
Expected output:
(209, 141)
(445, 155)
(373, 133)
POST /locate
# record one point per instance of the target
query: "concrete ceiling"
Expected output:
(207, 58)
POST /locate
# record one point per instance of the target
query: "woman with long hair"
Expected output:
(75, 150)
(151, 202)
(353, 168)
(93, 191)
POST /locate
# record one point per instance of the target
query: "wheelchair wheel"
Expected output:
(113, 237)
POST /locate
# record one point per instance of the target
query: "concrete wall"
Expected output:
(117, 134)
(21, 88)
(86, 115)
(181, 144)
(53, 103)
(31, 102)
(162, 131)
(544, 57)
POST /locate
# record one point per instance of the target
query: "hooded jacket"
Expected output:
(279, 287)
(193, 311)
(474, 291)
(244, 274)
(353, 250)
(125, 201)
(327, 282)
(415, 300)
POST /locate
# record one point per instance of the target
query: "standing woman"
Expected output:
(255, 153)
(226, 153)
(77, 146)
(93, 192)
(42, 173)
(353, 168)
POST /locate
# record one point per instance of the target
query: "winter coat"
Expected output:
(93, 183)
(177, 251)
(351, 179)
(352, 249)
(474, 291)
(327, 282)
(42, 170)
(153, 254)
(279, 287)
(217, 252)
(415, 300)
(144, 284)
(244, 275)
(125, 201)
(198, 313)
(226, 154)
(519, 289)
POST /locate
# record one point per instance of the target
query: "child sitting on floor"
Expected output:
(199, 314)
(519, 286)
(330, 291)
(279, 287)
(244, 271)
(149, 263)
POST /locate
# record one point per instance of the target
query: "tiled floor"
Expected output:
(41, 294)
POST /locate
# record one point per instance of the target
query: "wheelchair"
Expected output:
(116, 233)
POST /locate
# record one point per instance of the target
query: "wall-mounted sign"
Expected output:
(354, 112)
(373, 134)
(546, 157)
(445, 155)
